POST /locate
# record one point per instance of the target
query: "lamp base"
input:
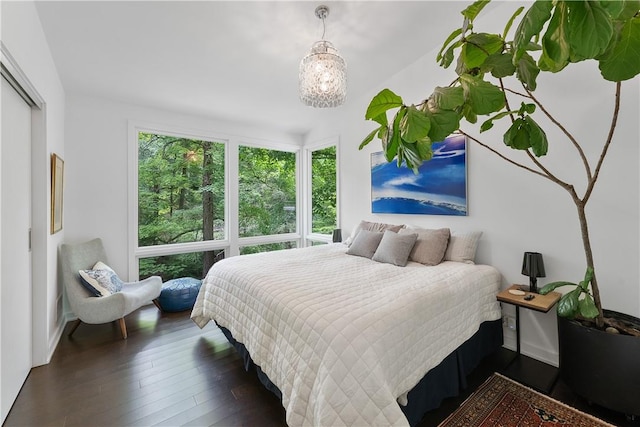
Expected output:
(533, 285)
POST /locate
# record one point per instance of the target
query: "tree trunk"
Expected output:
(207, 205)
(586, 242)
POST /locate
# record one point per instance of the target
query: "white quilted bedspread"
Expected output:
(343, 337)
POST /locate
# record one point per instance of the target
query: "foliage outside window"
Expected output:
(169, 267)
(181, 196)
(323, 190)
(267, 192)
(268, 247)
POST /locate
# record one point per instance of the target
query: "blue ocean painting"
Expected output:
(439, 188)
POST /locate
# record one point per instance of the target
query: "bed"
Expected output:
(345, 340)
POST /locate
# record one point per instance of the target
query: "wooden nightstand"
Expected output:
(533, 373)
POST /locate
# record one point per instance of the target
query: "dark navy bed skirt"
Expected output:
(447, 379)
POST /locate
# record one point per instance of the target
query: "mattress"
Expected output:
(344, 338)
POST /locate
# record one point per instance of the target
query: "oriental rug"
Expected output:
(505, 403)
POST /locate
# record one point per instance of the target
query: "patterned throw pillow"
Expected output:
(101, 280)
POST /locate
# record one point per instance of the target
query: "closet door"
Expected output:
(15, 264)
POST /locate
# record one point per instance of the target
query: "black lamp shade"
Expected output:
(533, 266)
(337, 235)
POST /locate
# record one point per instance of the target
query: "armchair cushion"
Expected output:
(101, 280)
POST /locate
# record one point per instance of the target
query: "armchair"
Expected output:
(96, 310)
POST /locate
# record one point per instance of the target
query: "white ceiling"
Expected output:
(233, 60)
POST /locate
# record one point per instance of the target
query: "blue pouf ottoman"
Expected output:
(179, 294)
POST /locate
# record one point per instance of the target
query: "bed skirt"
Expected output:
(445, 380)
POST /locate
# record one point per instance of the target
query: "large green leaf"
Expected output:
(483, 97)
(393, 142)
(621, 61)
(411, 156)
(527, 71)
(510, 21)
(448, 56)
(368, 139)
(424, 148)
(447, 98)
(587, 307)
(525, 133)
(478, 47)
(381, 103)
(517, 136)
(474, 9)
(499, 65)
(532, 23)
(549, 287)
(537, 137)
(443, 124)
(589, 28)
(414, 125)
(568, 304)
(468, 114)
(555, 44)
(449, 39)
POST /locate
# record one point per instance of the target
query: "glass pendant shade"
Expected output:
(323, 77)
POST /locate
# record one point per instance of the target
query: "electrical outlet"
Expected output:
(511, 323)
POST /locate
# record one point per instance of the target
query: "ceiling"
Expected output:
(233, 60)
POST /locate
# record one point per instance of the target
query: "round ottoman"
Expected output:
(179, 294)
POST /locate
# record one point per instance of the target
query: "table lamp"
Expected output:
(533, 266)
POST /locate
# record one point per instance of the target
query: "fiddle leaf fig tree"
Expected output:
(496, 78)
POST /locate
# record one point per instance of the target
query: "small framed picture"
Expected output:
(57, 178)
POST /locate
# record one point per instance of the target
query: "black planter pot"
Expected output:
(601, 367)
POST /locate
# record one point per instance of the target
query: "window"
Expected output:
(267, 192)
(200, 199)
(181, 200)
(322, 190)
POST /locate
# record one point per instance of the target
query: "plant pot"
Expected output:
(601, 367)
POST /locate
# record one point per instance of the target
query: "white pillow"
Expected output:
(462, 247)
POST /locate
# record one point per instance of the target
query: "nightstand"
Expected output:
(531, 372)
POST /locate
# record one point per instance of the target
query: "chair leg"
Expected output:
(123, 328)
(75, 325)
(157, 304)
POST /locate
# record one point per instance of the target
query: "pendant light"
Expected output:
(323, 72)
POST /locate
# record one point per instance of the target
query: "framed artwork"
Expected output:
(439, 188)
(57, 176)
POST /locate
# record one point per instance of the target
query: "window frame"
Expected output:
(309, 236)
(232, 242)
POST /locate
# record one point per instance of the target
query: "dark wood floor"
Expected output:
(170, 373)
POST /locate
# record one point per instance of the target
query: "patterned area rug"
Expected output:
(506, 403)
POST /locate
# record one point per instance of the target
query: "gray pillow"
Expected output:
(395, 248)
(430, 246)
(365, 243)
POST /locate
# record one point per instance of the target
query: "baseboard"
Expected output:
(535, 352)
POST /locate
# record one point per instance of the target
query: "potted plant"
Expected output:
(496, 76)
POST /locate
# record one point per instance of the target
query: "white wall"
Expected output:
(97, 158)
(518, 211)
(24, 39)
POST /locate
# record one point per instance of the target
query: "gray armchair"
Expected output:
(95, 310)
